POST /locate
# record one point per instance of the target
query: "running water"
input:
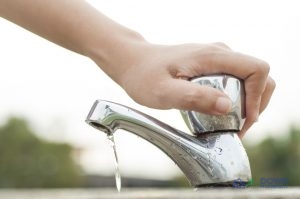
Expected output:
(117, 169)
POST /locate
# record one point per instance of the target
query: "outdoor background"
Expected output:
(47, 91)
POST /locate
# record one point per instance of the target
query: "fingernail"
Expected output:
(223, 105)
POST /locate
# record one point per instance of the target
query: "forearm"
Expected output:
(75, 25)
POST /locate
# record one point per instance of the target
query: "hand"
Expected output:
(153, 75)
(158, 79)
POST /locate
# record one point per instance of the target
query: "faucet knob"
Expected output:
(199, 123)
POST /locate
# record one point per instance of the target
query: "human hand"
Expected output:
(158, 79)
(153, 75)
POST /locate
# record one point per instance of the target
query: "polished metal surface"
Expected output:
(208, 159)
(233, 121)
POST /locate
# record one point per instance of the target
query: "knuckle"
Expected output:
(262, 67)
(212, 48)
(221, 44)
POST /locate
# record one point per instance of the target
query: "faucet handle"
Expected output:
(199, 123)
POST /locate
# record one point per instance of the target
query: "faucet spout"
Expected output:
(207, 159)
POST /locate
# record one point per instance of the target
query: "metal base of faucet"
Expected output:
(216, 185)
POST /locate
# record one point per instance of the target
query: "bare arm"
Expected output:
(153, 75)
(73, 24)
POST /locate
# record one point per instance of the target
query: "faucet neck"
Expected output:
(207, 159)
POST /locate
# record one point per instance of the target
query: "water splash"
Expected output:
(117, 169)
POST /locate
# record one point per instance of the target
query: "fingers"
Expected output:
(168, 63)
(186, 95)
(270, 87)
(253, 71)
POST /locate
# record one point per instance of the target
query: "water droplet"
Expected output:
(207, 156)
(194, 156)
(218, 150)
(211, 170)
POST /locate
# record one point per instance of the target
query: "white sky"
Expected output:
(55, 88)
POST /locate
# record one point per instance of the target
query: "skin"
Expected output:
(153, 75)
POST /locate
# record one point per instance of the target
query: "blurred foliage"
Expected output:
(27, 161)
(180, 181)
(277, 158)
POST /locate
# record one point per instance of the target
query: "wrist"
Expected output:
(117, 51)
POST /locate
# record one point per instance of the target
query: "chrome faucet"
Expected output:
(212, 156)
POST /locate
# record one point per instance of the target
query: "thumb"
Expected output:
(186, 95)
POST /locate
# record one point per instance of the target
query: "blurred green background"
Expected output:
(27, 161)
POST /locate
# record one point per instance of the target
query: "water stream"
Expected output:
(117, 169)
